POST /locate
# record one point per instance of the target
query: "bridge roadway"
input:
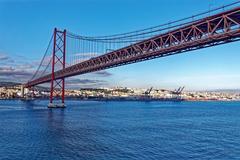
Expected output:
(214, 30)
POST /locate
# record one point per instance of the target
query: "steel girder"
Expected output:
(210, 31)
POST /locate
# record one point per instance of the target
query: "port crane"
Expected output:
(178, 91)
(148, 91)
(176, 94)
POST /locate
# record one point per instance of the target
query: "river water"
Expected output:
(120, 130)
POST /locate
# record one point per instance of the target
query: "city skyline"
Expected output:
(197, 70)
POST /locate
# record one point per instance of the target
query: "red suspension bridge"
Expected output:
(69, 54)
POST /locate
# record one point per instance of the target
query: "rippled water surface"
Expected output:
(120, 130)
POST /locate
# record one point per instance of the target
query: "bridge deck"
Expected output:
(213, 30)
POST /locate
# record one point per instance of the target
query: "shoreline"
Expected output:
(123, 100)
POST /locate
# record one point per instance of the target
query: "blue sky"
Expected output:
(26, 27)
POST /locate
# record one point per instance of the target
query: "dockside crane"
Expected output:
(147, 92)
(178, 91)
(177, 94)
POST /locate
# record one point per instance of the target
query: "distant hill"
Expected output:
(12, 84)
(9, 84)
(227, 90)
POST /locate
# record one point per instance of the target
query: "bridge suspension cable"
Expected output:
(82, 48)
(44, 63)
(135, 36)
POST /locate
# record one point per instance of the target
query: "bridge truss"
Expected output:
(116, 50)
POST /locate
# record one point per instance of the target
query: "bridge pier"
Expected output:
(22, 91)
(52, 105)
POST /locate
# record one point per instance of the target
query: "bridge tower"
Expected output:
(57, 90)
